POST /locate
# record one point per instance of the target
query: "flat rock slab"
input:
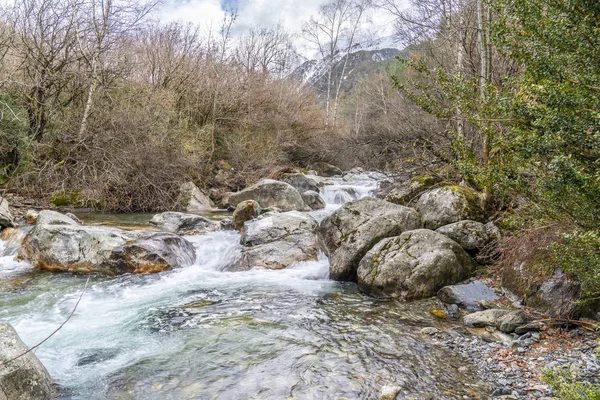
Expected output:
(467, 296)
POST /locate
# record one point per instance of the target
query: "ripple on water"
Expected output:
(205, 333)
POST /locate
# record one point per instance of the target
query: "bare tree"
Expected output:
(333, 32)
(167, 52)
(269, 51)
(43, 45)
(101, 26)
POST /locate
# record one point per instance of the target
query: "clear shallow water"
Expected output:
(202, 333)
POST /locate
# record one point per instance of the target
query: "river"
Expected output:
(204, 333)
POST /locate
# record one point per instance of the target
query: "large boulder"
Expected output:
(268, 193)
(192, 200)
(313, 200)
(245, 211)
(407, 191)
(325, 169)
(301, 182)
(278, 240)
(414, 265)
(23, 378)
(352, 230)
(471, 235)
(183, 224)
(104, 250)
(449, 204)
(6, 218)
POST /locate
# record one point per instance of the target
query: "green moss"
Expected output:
(72, 198)
(474, 207)
(425, 180)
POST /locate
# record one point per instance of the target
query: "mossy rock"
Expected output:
(325, 169)
(449, 204)
(405, 192)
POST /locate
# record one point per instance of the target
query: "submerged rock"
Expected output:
(104, 250)
(268, 193)
(413, 266)
(351, 231)
(24, 378)
(467, 296)
(192, 200)
(6, 218)
(313, 200)
(245, 211)
(449, 204)
(278, 240)
(182, 223)
(471, 235)
(301, 182)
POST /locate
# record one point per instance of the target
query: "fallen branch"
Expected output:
(53, 333)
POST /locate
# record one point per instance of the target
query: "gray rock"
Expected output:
(352, 230)
(449, 204)
(278, 240)
(73, 217)
(471, 235)
(269, 193)
(467, 296)
(182, 223)
(104, 250)
(49, 217)
(245, 211)
(557, 296)
(24, 378)
(31, 217)
(504, 320)
(313, 200)
(6, 218)
(301, 182)
(409, 190)
(325, 169)
(192, 200)
(389, 392)
(156, 253)
(413, 266)
(534, 326)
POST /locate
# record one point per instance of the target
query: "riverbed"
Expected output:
(204, 333)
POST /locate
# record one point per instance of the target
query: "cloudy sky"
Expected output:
(289, 13)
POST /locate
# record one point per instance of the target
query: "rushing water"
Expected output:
(203, 333)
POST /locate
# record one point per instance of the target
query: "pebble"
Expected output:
(513, 370)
